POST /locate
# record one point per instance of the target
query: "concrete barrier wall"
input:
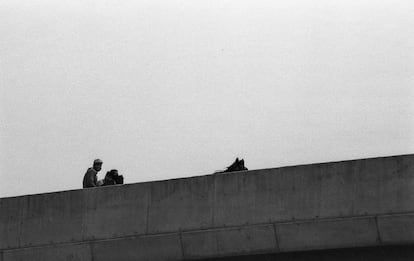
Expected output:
(330, 205)
(343, 189)
(378, 253)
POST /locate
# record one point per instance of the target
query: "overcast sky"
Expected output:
(166, 89)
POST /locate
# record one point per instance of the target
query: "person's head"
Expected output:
(97, 164)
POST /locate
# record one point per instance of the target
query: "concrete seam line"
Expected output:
(300, 221)
(396, 214)
(149, 198)
(304, 221)
(216, 229)
(276, 237)
(26, 203)
(378, 230)
(180, 236)
(85, 199)
(91, 251)
(213, 221)
(208, 229)
(327, 219)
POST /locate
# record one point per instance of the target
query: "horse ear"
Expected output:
(237, 160)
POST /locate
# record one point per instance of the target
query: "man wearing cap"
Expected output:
(90, 179)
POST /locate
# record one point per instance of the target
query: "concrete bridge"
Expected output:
(349, 210)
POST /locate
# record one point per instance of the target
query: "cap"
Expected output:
(97, 161)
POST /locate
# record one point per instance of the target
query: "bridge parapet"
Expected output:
(356, 203)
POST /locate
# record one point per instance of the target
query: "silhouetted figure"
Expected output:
(237, 165)
(112, 178)
(90, 179)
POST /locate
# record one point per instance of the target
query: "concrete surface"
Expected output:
(343, 189)
(353, 232)
(154, 248)
(115, 211)
(379, 253)
(52, 218)
(318, 206)
(181, 204)
(79, 252)
(10, 221)
(225, 242)
(396, 228)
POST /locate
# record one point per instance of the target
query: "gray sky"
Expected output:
(167, 89)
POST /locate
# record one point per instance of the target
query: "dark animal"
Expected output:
(237, 165)
(119, 179)
(113, 178)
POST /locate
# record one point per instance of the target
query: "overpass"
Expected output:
(301, 212)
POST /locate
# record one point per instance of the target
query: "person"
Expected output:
(90, 179)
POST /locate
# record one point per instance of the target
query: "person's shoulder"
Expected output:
(90, 171)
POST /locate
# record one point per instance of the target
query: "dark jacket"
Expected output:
(90, 179)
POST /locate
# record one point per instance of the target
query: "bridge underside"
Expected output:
(380, 253)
